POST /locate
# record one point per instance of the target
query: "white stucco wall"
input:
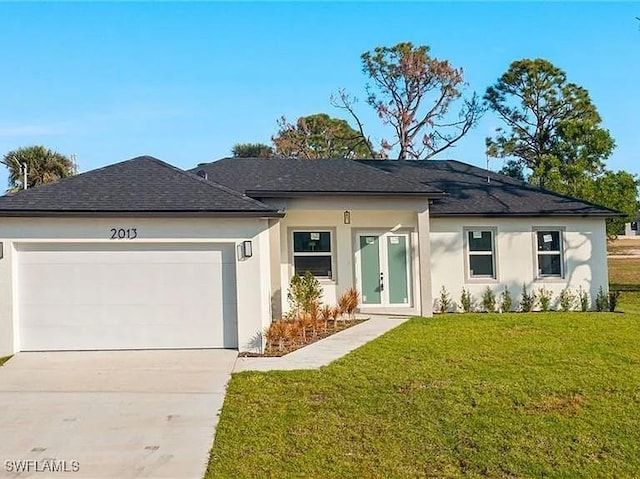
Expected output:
(252, 274)
(585, 259)
(367, 214)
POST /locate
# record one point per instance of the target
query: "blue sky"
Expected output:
(185, 81)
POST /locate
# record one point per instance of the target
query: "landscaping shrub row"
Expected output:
(537, 299)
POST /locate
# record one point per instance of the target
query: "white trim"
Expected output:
(15, 310)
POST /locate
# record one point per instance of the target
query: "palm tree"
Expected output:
(43, 166)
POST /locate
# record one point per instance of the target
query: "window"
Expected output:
(549, 253)
(312, 252)
(481, 254)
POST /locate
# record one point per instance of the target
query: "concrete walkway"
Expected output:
(111, 414)
(326, 350)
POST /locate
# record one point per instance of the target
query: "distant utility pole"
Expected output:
(74, 161)
(24, 174)
(488, 170)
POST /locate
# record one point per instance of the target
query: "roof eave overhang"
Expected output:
(299, 194)
(138, 214)
(526, 215)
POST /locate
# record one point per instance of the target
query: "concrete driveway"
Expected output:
(123, 414)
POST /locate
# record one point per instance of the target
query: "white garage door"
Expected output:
(126, 296)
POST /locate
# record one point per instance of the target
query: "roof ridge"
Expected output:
(410, 182)
(212, 184)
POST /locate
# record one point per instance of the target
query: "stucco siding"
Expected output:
(584, 254)
(366, 214)
(252, 274)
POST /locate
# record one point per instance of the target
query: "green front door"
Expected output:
(383, 274)
(397, 269)
(370, 269)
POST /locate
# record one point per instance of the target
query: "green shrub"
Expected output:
(527, 301)
(613, 300)
(567, 300)
(444, 302)
(489, 300)
(505, 301)
(304, 292)
(544, 298)
(465, 300)
(583, 299)
(602, 300)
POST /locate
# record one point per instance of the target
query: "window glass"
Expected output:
(480, 241)
(548, 241)
(481, 265)
(311, 242)
(480, 251)
(316, 265)
(312, 252)
(549, 254)
(549, 265)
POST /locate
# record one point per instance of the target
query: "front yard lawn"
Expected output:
(514, 395)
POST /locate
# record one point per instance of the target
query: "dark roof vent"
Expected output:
(202, 174)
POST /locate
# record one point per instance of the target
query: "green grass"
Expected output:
(4, 360)
(515, 395)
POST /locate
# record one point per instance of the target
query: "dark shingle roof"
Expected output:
(469, 193)
(264, 177)
(143, 185)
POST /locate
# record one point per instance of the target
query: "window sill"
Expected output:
(550, 279)
(481, 281)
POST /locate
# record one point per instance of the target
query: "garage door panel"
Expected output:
(156, 296)
(124, 284)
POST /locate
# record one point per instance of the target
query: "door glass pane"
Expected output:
(370, 270)
(316, 265)
(398, 283)
(481, 265)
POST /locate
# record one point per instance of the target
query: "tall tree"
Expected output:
(43, 166)
(320, 136)
(553, 137)
(551, 126)
(252, 150)
(617, 190)
(415, 94)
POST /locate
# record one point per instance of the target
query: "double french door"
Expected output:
(382, 269)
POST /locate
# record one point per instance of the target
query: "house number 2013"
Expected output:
(122, 233)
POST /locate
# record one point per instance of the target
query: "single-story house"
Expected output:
(141, 254)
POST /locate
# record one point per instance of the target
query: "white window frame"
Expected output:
(330, 253)
(559, 252)
(468, 253)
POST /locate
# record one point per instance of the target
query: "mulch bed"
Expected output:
(274, 352)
